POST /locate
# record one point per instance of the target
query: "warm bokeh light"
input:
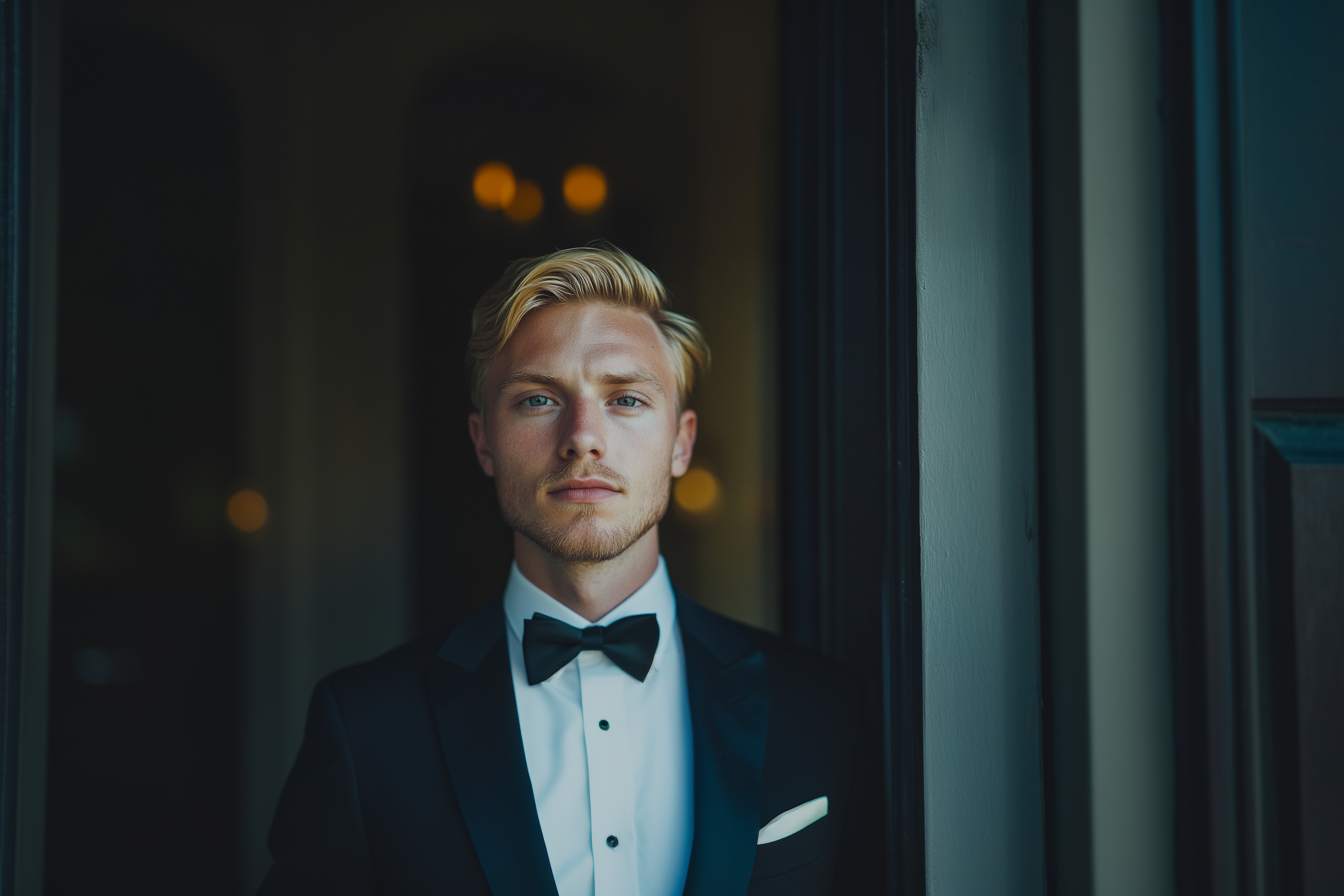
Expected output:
(494, 186)
(697, 492)
(585, 188)
(527, 202)
(247, 510)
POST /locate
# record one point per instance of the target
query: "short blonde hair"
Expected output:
(600, 272)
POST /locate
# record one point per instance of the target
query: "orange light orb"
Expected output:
(247, 510)
(585, 188)
(494, 186)
(697, 491)
(527, 202)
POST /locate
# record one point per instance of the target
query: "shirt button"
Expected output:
(604, 725)
(612, 841)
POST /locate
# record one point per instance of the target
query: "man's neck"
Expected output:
(590, 589)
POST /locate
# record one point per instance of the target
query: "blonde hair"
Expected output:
(600, 272)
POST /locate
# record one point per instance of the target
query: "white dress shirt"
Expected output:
(632, 779)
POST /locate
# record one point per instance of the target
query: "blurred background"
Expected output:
(275, 220)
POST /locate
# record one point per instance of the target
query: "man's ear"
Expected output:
(685, 443)
(476, 426)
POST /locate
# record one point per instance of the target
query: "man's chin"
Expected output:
(571, 548)
(582, 533)
(582, 540)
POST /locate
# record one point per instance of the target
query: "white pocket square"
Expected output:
(792, 821)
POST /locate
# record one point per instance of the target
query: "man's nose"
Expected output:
(585, 433)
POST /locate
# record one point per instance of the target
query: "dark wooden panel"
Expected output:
(1293, 199)
(1318, 573)
(1300, 597)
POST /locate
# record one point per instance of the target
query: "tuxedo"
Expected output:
(412, 778)
(608, 749)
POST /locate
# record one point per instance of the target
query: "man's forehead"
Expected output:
(608, 343)
(592, 320)
(577, 353)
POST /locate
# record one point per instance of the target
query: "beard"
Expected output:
(582, 537)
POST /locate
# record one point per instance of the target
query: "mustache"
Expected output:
(581, 470)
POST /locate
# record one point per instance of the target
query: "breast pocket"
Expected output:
(794, 851)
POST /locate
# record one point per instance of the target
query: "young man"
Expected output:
(593, 732)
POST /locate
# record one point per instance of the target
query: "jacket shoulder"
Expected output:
(787, 661)
(386, 681)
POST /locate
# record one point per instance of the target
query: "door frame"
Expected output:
(849, 495)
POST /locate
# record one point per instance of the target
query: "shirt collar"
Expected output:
(522, 599)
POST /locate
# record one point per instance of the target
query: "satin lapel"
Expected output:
(471, 692)
(726, 684)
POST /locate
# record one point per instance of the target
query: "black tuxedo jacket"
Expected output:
(412, 779)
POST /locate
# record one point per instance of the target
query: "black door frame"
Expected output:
(16, 384)
(849, 494)
(29, 106)
(1212, 614)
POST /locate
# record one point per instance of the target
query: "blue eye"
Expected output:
(536, 401)
(627, 401)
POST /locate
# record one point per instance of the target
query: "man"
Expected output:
(593, 732)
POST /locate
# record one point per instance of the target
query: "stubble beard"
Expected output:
(580, 538)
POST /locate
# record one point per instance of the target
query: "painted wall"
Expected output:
(982, 747)
(1124, 434)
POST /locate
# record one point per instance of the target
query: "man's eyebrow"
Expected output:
(529, 377)
(633, 378)
(627, 378)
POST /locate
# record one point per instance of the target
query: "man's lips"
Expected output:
(584, 491)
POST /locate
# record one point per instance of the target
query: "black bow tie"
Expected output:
(548, 644)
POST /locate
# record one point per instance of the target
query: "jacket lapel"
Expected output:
(727, 688)
(471, 693)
